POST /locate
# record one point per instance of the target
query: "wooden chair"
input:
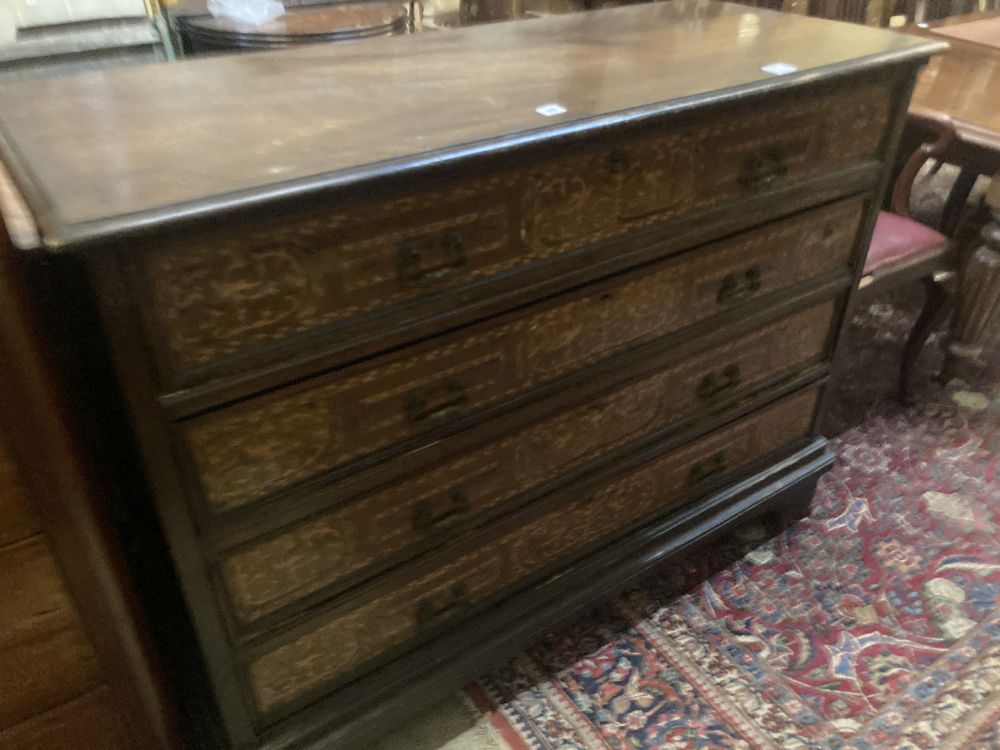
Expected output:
(903, 250)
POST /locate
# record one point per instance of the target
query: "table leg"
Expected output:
(976, 328)
(958, 196)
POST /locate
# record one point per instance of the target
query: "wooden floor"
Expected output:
(52, 690)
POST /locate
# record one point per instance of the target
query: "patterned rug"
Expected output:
(874, 623)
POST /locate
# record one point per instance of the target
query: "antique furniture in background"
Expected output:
(962, 84)
(868, 12)
(318, 21)
(903, 250)
(976, 328)
(77, 670)
(75, 47)
(344, 21)
(419, 366)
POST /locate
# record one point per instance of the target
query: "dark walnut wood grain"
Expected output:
(215, 294)
(448, 593)
(266, 575)
(245, 452)
(291, 127)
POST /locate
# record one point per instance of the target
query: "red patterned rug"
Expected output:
(874, 623)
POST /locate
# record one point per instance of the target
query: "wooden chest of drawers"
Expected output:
(415, 378)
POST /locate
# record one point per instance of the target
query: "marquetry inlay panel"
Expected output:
(596, 194)
(268, 574)
(349, 638)
(215, 294)
(418, 353)
(270, 443)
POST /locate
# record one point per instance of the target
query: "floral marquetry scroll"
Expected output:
(365, 535)
(248, 451)
(345, 641)
(215, 296)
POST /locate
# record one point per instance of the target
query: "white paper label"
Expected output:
(548, 110)
(779, 68)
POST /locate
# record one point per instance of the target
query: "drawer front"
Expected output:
(446, 594)
(273, 442)
(213, 295)
(598, 193)
(263, 576)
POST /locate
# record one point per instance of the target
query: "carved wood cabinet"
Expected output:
(410, 370)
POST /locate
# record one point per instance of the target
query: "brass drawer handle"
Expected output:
(618, 161)
(425, 520)
(430, 614)
(715, 384)
(712, 466)
(739, 286)
(427, 259)
(763, 167)
(439, 402)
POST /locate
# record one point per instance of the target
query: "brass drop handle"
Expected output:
(618, 161)
(429, 259)
(739, 286)
(763, 167)
(430, 613)
(715, 384)
(712, 466)
(426, 520)
(435, 403)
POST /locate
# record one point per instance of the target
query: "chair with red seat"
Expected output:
(903, 250)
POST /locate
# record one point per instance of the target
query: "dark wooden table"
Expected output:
(964, 83)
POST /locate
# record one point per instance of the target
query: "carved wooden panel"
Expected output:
(250, 450)
(263, 576)
(442, 597)
(215, 294)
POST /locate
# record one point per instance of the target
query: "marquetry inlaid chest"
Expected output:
(403, 351)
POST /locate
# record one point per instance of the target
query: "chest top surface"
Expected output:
(117, 150)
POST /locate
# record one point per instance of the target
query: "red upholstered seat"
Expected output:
(896, 238)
